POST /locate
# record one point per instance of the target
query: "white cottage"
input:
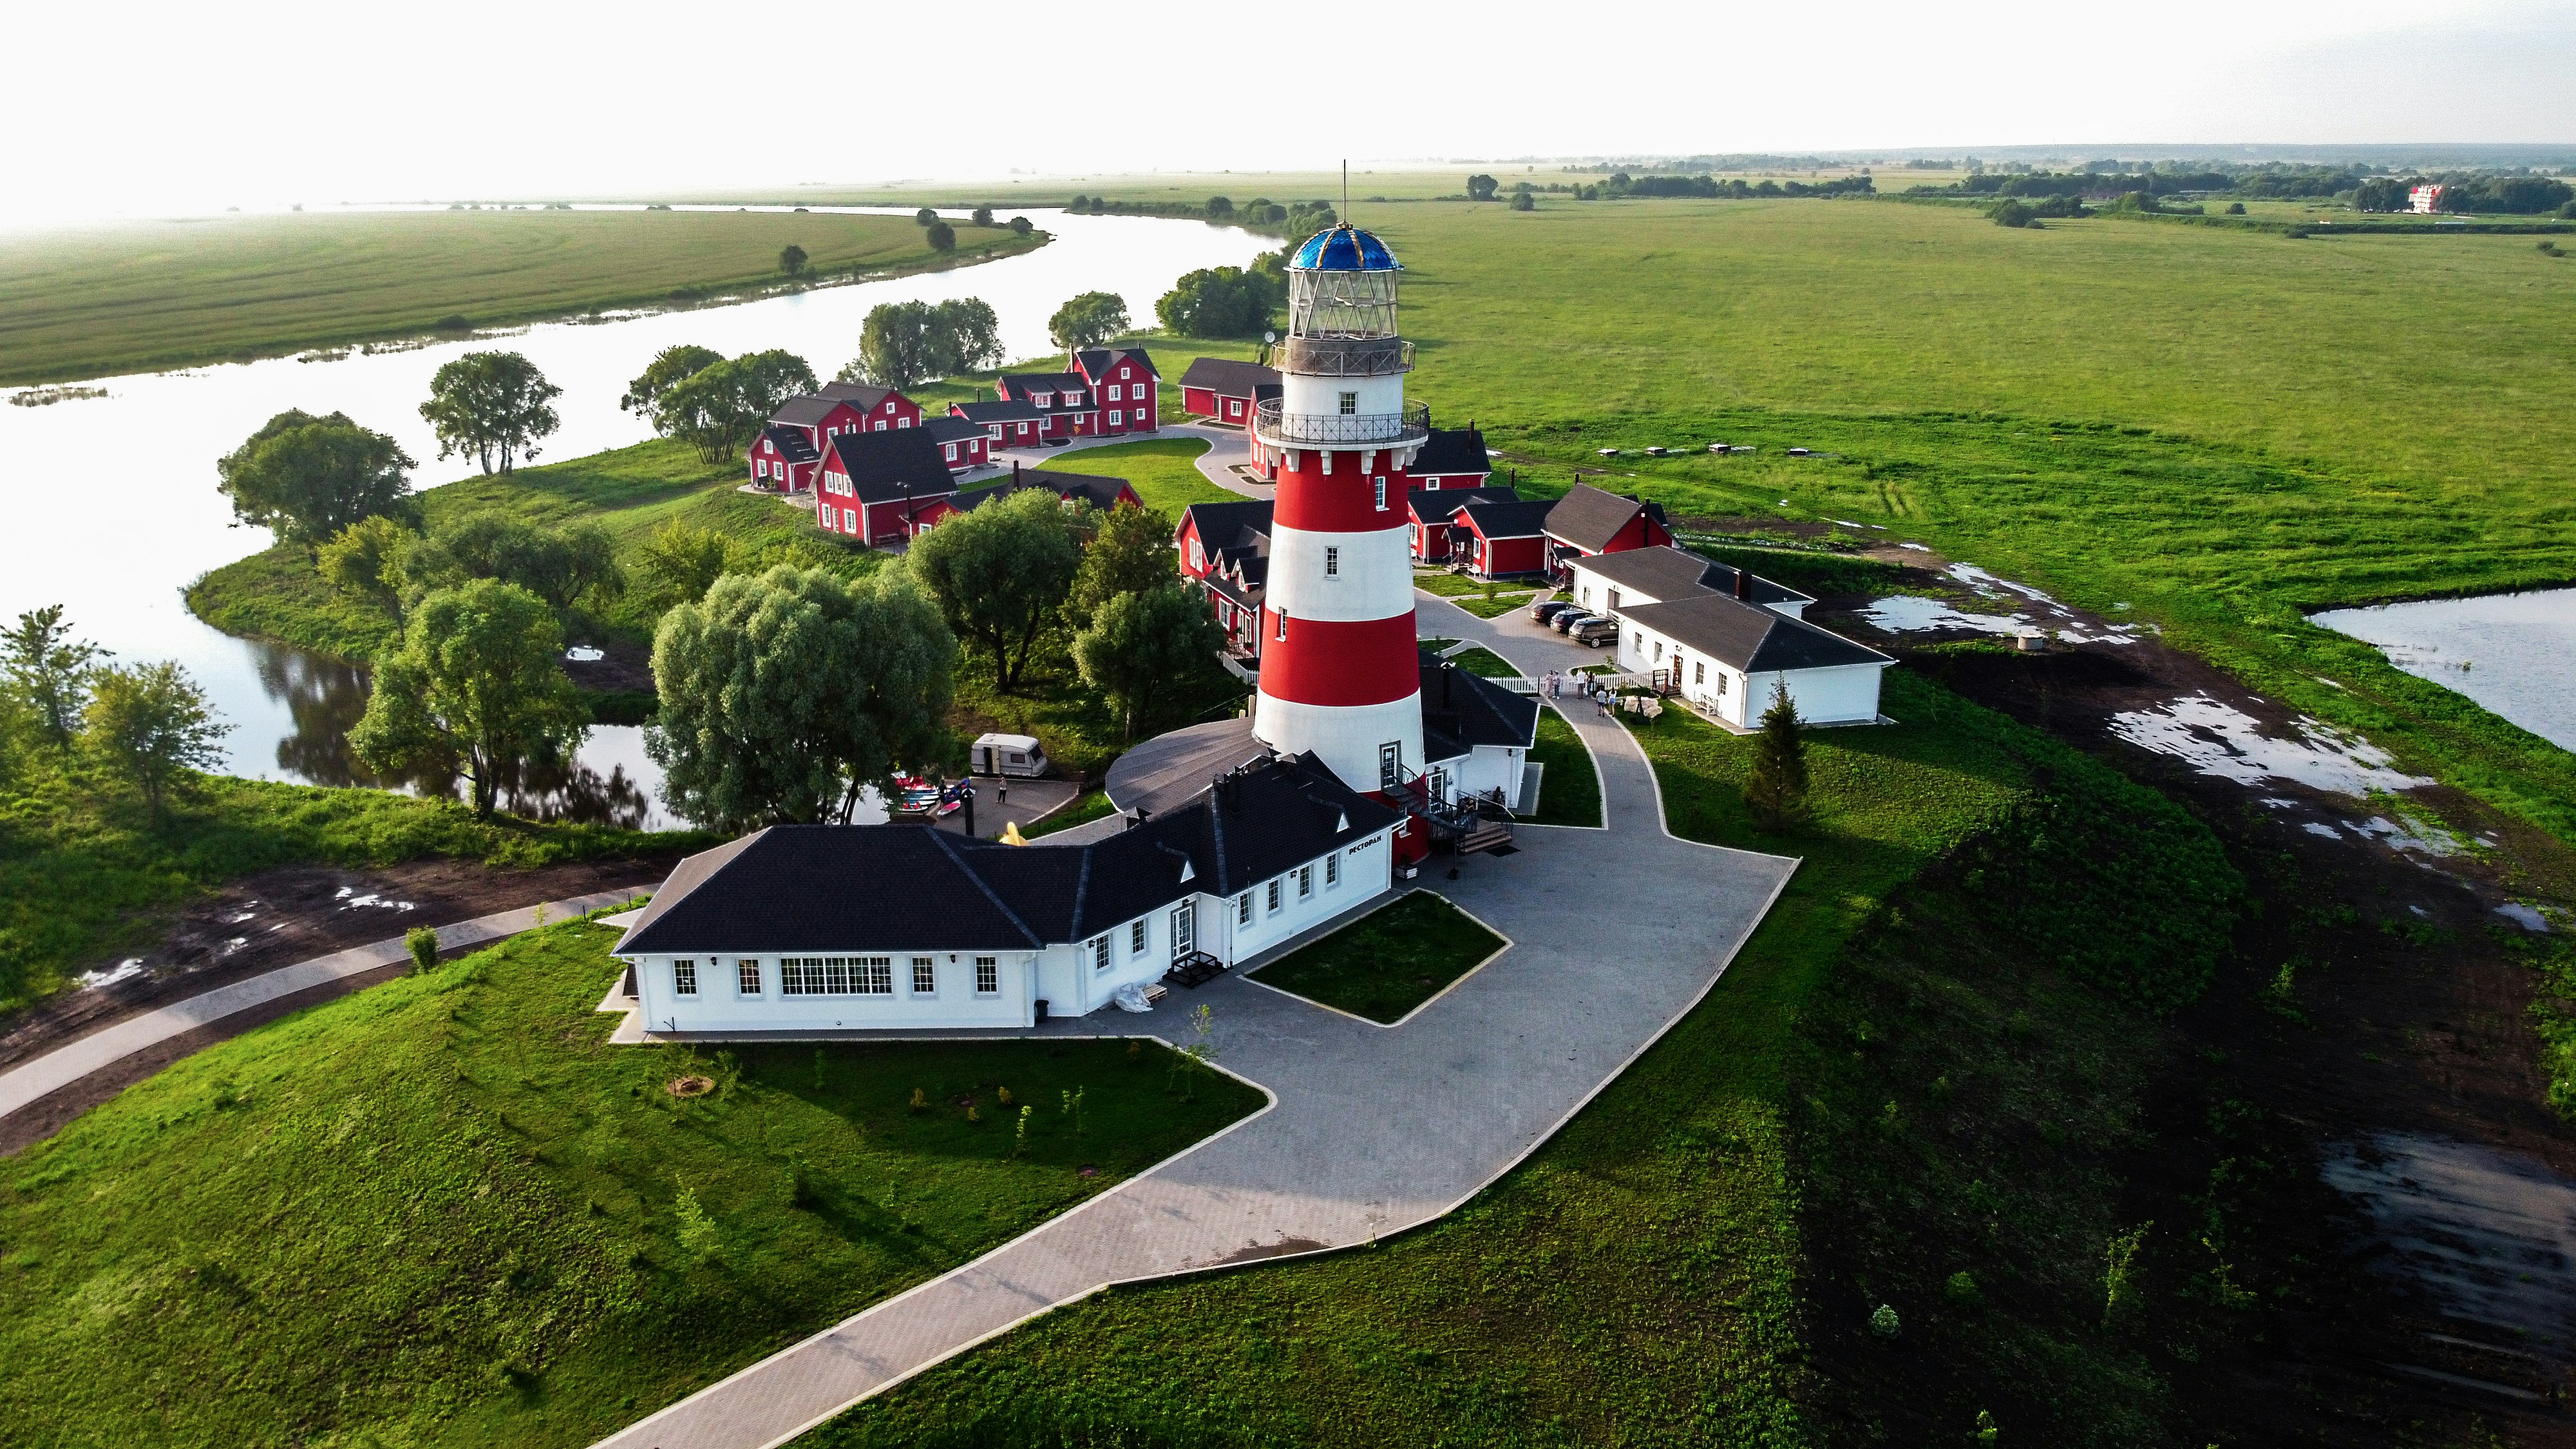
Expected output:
(821, 928)
(1725, 637)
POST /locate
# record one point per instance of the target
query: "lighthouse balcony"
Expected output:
(1344, 356)
(1280, 429)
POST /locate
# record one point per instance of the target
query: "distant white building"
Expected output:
(1723, 637)
(2424, 200)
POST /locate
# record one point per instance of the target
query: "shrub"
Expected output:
(2012, 213)
(942, 237)
(422, 943)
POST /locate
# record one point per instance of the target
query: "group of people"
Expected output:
(1552, 685)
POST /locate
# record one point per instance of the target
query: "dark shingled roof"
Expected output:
(951, 430)
(791, 887)
(1666, 573)
(1437, 505)
(1453, 450)
(1096, 361)
(1097, 491)
(1512, 519)
(1461, 711)
(881, 464)
(860, 395)
(792, 444)
(1589, 518)
(1747, 636)
(1224, 525)
(1021, 384)
(999, 410)
(1229, 378)
(806, 411)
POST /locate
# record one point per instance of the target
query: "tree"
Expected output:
(366, 561)
(680, 562)
(477, 686)
(558, 567)
(925, 217)
(972, 335)
(941, 236)
(791, 259)
(1222, 302)
(2014, 213)
(1481, 187)
(1144, 649)
(1130, 552)
(720, 408)
(50, 669)
(784, 695)
(1000, 573)
(153, 722)
(1020, 226)
(305, 478)
(1776, 790)
(669, 367)
(903, 344)
(1522, 201)
(983, 216)
(491, 404)
(1088, 320)
(1220, 206)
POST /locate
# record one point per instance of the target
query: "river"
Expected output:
(2515, 654)
(116, 510)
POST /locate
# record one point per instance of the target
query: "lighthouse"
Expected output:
(1340, 675)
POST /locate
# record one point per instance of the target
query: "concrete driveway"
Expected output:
(1615, 934)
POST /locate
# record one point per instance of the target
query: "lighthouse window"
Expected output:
(1283, 626)
(1381, 495)
(1350, 403)
(1332, 562)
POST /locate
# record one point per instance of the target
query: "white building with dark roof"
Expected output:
(1722, 637)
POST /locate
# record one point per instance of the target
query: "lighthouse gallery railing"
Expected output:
(1412, 425)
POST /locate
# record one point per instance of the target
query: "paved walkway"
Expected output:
(66, 1064)
(1372, 1129)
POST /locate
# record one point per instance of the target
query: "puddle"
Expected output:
(2033, 613)
(125, 970)
(2221, 740)
(2508, 652)
(1917, 547)
(349, 899)
(2527, 917)
(1912, 613)
(2408, 835)
(2492, 1235)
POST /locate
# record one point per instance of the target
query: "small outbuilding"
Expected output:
(1007, 755)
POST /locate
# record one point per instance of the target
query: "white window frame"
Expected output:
(1116, 393)
(988, 976)
(1273, 898)
(1243, 909)
(1332, 561)
(684, 977)
(746, 976)
(1350, 404)
(1332, 870)
(1100, 953)
(1381, 495)
(1117, 417)
(1305, 882)
(1136, 937)
(925, 969)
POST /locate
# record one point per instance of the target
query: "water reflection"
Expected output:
(325, 696)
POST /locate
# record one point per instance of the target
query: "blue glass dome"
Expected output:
(1345, 248)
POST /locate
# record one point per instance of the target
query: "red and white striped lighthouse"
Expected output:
(1340, 676)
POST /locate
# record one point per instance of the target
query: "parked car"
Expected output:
(1564, 623)
(1595, 632)
(1546, 610)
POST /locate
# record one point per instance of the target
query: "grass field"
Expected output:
(1164, 470)
(1569, 785)
(1387, 962)
(119, 298)
(445, 1211)
(1486, 663)
(83, 871)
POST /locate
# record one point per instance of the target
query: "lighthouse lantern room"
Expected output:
(1340, 674)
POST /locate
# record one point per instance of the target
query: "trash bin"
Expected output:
(1041, 1011)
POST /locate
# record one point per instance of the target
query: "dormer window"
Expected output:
(1043, 399)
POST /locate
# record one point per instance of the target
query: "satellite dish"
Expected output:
(1269, 336)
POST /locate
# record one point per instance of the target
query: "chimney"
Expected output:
(1744, 585)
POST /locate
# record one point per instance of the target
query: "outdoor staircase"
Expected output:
(1464, 824)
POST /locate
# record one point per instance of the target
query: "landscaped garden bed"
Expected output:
(1388, 962)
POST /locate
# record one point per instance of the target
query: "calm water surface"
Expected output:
(2515, 654)
(113, 507)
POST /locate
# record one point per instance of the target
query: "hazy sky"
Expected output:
(155, 108)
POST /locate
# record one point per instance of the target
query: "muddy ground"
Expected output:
(2435, 1201)
(259, 924)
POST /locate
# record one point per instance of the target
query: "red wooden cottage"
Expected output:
(885, 409)
(1501, 538)
(873, 488)
(784, 459)
(1062, 399)
(1225, 549)
(1454, 458)
(962, 445)
(1007, 422)
(1124, 386)
(1432, 514)
(1225, 391)
(1591, 521)
(1083, 488)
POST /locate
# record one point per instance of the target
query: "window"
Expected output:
(1381, 495)
(925, 977)
(1305, 881)
(1198, 555)
(952, 452)
(1699, 672)
(1135, 938)
(684, 978)
(1115, 392)
(1073, 399)
(1332, 561)
(1233, 409)
(1283, 626)
(1639, 641)
(1659, 650)
(1117, 416)
(880, 425)
(1390, 764)
(1333, 869)
(850, 520)
(1350, 404)
(1100, 954)
(903, 422)
(1273, 902)
(1243, 909)
(836, 976)
(747, 977)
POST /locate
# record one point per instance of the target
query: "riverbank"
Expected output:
(149, 296)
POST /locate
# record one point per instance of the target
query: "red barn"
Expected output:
(1225, 391)
(1454, 458)
(1434, 512)
(885, 409)
(1225, 549)
(873, 487)
(1590, 521)
(962, 445)
(1500, 538)
(784, 460)
(1063, 401)
(1124, 386)
(1007, 423)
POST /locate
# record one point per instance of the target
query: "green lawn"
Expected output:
(116, 297)
(1569, 786)
(84, 872)
(1494, 607)
(1387, 962)
(1165, 471)
(1485, 662)
(1091, 806)
(445, 1211)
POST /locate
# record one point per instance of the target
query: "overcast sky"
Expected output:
(153, 108)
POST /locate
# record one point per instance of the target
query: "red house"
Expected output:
(1083, 488)
(1062, 399)
(1499, 538)
(1225, 391)
(1590, 521)
(1225, 549)
(873, 488)
(784, 460)
(962, 445)
(1124, 387)
(885, 409)
(1434, 512)
(1454, 458)
(1007, 422)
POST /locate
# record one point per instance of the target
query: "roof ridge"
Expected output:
(940, 839)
